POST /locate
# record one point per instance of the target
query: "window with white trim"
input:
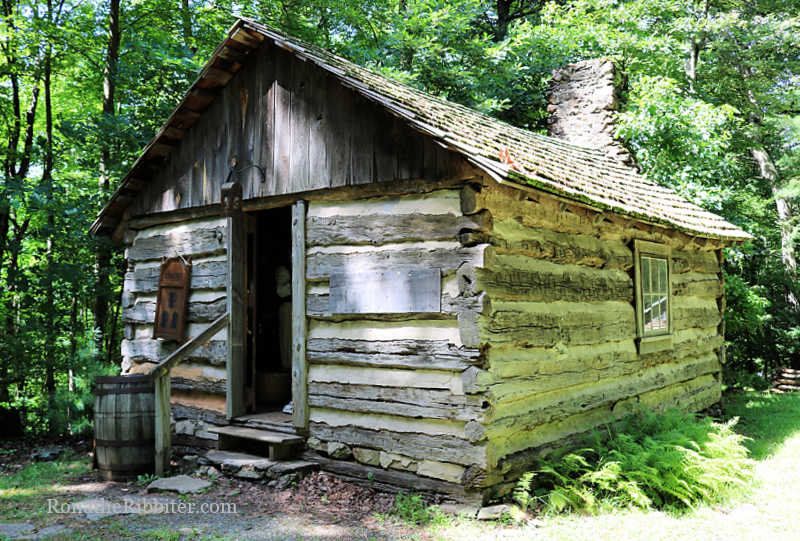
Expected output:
(653, 296)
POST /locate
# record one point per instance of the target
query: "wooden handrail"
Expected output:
(160, 375)
(182, 352)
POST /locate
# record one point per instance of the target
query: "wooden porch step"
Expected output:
(272, 421)
(280, 446)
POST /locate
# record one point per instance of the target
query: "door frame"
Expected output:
(236, 398)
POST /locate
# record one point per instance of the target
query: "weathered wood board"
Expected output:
(386, 292)
(292, 128)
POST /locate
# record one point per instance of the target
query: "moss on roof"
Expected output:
(575, 172)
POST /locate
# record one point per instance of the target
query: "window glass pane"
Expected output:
(655, 294)
(662, 276)
(654, 275)
(647, 301)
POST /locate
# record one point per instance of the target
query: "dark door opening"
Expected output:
(268, 341)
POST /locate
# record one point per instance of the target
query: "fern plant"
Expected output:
(672, 461)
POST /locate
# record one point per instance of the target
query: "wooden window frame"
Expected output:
(650, 342)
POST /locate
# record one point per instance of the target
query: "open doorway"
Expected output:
(268, 303)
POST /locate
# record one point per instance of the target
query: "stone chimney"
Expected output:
(583, 100)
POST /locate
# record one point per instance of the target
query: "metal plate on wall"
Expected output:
(386, 292)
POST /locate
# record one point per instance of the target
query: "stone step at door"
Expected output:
(255, 468)
(273, 445)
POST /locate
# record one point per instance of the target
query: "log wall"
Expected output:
(398, 389)
(198, 384)
(559, 332)
(534, 342)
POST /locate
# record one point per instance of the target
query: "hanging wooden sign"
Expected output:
(173, 296)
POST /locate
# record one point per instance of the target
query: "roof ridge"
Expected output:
(501, 150)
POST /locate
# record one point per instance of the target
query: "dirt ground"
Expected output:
(318, 507)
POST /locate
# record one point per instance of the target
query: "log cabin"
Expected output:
(416, 292)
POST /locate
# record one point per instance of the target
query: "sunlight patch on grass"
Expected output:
(767, 511)
(23, 494)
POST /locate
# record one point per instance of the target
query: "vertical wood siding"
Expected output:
(292, 128)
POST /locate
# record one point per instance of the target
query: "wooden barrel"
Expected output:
(124, 426)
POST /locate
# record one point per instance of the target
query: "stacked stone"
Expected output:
(584, 99)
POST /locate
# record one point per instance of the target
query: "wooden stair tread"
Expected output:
(255, 434)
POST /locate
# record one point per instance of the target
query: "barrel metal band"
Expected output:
(136, 468)
(126, 443)
(128, 390)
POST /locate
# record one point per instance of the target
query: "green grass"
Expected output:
(768, 419)
(23, 494)
(767, 511)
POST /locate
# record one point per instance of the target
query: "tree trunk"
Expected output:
(408, 52)
(186, 20)
(103, 255)
(47, 182)
(503, 8)
(769, 172)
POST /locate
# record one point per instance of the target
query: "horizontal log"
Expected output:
(322, 264)
(382, 229)
(417, 446)
(181, 411)
(203, 401)
(694, 312)
(547, 324)
(198, 309)
(198, 373)
(412, 201)
(535, 410)
(512, 237)
(433, 398)
(392, 481)
(400, 409)
(544, 211)
(194, 239)
(213, 352)
(209, 387)
(427, 354)
(523, 278)
(210, 274)
(387, 377)
(417, 329)
(395, 423)
(698, 262)
(518, 373)
(697, 284)
(694, 395)
(318, 305)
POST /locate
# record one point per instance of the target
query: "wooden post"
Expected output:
(162, 428)
(236, 401)
(299, 366)
(161, 374)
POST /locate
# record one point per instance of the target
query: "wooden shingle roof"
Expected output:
(502, 151)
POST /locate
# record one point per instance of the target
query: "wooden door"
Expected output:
(251, 310)
(238, 224)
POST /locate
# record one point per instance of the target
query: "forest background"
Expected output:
(711, 108)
